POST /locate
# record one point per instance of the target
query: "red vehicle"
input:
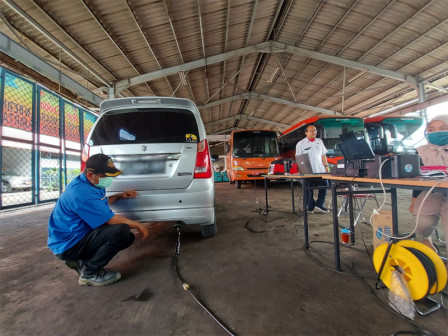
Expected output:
(328, 129)
(391, 134)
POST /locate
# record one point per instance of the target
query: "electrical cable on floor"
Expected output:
(299, 228)
(420, 329)
(309, 252)
(297, 200)
(364, 281)
(442, 301)
(412, 332)
(272, 228)
(186, 286)
(262, 211)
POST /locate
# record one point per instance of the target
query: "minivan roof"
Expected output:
(135, 101)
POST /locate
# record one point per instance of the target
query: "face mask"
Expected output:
(438, 138)
(104, 182)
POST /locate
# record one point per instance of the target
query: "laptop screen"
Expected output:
(304, 164)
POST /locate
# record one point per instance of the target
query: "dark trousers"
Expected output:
(99, 246)
(322, 193)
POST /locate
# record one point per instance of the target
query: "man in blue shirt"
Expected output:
(82, 229)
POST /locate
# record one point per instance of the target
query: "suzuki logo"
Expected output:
(144, 148)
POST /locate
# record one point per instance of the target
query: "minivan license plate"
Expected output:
(144, 168)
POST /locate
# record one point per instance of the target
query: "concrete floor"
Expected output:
(256, 283)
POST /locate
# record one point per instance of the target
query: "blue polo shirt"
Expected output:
(80, 209)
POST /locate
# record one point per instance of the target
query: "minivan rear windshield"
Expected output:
(145, 126)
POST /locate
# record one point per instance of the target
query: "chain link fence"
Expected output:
(42, 136)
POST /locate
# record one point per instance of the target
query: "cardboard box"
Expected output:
(382, 224)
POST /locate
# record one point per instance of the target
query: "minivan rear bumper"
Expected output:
(192, 205)
(201, 216)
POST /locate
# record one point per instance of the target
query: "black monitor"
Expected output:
(355, 147)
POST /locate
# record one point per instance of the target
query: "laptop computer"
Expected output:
(304, 164)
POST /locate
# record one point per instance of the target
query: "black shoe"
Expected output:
(75, 265)
(101, 278)
(321, 209)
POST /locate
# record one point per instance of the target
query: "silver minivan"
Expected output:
(160, 144)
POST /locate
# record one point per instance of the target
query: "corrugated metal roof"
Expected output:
(102, 42)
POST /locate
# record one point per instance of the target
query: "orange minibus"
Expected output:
(249, 154)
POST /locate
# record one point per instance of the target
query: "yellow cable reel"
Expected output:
(418, 270)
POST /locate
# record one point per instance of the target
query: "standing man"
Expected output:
(82, 229)
(316, 151)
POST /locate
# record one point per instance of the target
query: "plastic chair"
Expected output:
(359, 201)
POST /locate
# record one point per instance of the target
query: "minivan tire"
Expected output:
(238, 184)
(210, 230)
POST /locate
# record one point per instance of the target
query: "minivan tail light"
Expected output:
(84, 156)
(203, 167)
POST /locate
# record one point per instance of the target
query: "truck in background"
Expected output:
(249, 154)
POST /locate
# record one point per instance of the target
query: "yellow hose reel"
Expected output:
(424, 271)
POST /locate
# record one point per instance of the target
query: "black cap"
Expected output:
(102, 164)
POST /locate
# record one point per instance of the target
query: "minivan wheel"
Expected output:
(238, 184)
(209, 231)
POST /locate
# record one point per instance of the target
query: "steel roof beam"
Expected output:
(260, 67)
(19, 53)
(228, 130)
(246, 117)
(243, 59)
(224, 120)
(217, 137)
(112, 39)
(223, 82)
(137, 23)
(278, 47)
(178, 46)
(253, 95)
(56, 42)
(124, 84)
(267, 47)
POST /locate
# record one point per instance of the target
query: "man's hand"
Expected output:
(143, 230)
(125, 194)
(129, 194)
(119, 219)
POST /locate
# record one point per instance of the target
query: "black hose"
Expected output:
(186, 286)
(428, 266)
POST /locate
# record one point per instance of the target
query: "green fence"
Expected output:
(41, 137)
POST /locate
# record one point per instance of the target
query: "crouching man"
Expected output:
(82, 229)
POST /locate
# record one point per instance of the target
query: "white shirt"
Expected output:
(315, 149)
